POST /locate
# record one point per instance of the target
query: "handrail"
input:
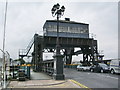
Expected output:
(48, 66)
(24, 52)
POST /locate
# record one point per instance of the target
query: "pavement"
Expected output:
(42, 80)
(43, 84)
(74, 79)
(39, 76)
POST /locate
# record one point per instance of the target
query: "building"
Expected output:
(67, 28)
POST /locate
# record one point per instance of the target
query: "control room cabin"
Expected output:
(67, 28)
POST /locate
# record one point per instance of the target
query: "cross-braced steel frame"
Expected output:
(88, 48)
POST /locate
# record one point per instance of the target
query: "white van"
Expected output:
(115, 66)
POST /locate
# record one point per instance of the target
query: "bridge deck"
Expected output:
(68, 42)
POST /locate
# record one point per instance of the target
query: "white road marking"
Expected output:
(112, 77)
(103, 75)
(88, 73)
(107, 76)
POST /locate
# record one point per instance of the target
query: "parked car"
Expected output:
(83, 68)
(115, 66)
(100, 67)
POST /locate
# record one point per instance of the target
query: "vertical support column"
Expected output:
(94, 51)
(33, 60)
(58, 67)
(85, 58)
(40, 58)
(35, 52)
(69, 53)
(86, 53)
(38, 55)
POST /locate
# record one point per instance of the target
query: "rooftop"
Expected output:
(66, 21)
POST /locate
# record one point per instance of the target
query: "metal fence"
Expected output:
(48, 66)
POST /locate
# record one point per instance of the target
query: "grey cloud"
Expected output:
(25, 19)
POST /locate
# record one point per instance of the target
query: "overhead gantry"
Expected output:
(88, 48)
(72, 35)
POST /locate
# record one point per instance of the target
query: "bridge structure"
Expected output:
(71, 35)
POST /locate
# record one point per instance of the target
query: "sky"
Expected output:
(24, 19)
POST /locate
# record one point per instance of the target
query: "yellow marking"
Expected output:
(79, 84)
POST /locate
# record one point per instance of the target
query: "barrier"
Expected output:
(48, 67)
(27, 71)
(73, 66)
(14, 71)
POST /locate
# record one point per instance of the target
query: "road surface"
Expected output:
(93, 80)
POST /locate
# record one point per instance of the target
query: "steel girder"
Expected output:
(37, 53)
(88, 48)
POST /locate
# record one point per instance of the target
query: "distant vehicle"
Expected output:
(83, 68)
(115, 66)
(100, 67)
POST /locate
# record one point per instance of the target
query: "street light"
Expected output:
(56, 10)
(58, 61)
(4, 67)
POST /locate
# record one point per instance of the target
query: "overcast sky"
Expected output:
(24, 19)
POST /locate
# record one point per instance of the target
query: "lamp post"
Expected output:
(56, 10)
(58, 61)
(4, 64)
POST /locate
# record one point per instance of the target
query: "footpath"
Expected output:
(42, 80)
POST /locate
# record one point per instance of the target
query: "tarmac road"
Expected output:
(93, 80)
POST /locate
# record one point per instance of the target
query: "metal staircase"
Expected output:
(24, 52)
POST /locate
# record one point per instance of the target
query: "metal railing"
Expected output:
(48, 67)
(24, 52)
(4, 72)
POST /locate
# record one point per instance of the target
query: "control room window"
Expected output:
(53, 28)
(82, 31)
(44, 30)
(61, 29)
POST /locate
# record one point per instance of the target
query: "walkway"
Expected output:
(39, 76)
(42, 80)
